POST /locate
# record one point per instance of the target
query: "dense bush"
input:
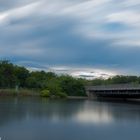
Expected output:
(72, 86)
(45, 93)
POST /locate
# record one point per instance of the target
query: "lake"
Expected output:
(42, 119)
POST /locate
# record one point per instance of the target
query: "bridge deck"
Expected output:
(121, 91)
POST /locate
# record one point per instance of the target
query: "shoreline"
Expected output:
(30, 93)
(77, 97)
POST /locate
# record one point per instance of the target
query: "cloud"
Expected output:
(95, 19)
(18, 13)
(129, 18)
(90, 33)
(78, 72)
(2, 17)
(10, 4)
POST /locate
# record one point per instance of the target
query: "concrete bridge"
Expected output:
(123, 91)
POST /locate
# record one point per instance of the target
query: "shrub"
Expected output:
(45, 93)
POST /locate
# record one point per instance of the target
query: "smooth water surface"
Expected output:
(41, 119)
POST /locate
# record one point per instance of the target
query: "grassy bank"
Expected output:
(20, 92)
(29, 92)
(34, 93)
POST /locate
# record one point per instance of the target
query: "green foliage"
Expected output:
(45, 93)
(21, 74)
(72, 86)
(119, 79)
(7, 76)
(55, 86)
(37, 80)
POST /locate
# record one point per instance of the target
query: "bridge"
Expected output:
(123, 91)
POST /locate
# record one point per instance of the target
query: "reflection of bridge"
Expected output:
(114, 91)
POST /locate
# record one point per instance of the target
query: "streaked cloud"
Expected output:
(86, 73)
(101, 34)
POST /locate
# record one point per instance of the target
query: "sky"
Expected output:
(81, 37)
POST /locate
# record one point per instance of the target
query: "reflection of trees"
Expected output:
(129, 111)
(18, 109)
(13, 109)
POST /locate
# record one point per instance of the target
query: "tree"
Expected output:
(71, 86)
(7, 77)
(22, 74)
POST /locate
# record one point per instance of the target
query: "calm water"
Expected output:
(40, 119)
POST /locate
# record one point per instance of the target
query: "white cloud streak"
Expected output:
(115, 21)
(94, 17)
(87, 73)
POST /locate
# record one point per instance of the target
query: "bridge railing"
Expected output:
(114, 87)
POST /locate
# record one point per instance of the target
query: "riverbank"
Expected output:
(77, 97)
(29, 92)
(20, 92)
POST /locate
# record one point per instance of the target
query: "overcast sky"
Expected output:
(94, 34)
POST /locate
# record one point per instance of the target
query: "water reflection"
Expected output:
(67, 119)
(75, 110)
(94, 114)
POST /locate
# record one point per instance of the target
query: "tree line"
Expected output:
(51, 84)
(48, 83)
